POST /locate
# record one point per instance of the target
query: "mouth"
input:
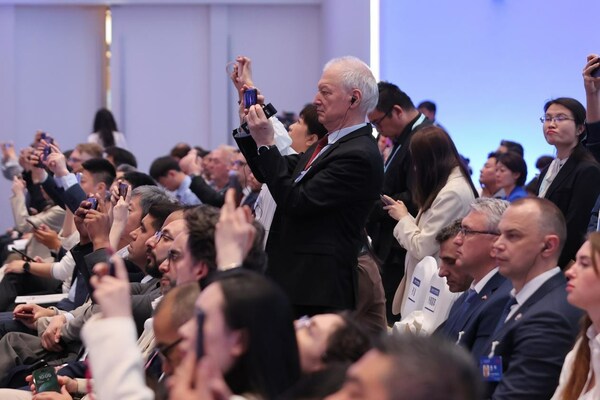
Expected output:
(569, 288)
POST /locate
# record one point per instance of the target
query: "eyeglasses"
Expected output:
(173, 256)
(466, 232)
(239, 163)
(557, 118)
(160, 234)
(379, 120)
(164, 350)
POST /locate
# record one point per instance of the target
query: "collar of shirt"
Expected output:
(340, 133)
(185, 184)
(531, 287)
(478, 287)
(146, 279)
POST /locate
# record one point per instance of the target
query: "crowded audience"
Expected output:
(343, 255)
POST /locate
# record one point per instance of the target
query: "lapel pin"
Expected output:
(484, 297)
(518, 317)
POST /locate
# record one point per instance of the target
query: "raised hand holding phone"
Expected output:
(112, 293)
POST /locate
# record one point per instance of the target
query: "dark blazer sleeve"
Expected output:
(53, 191)
(593, 139)
(70, 198)
(206, 193)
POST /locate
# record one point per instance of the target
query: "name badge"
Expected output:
(491, 368)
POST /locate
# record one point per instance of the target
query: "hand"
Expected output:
(204, 382)
(260, 127)
(18, 186)
(29, 314)
(112, 293)
(591, 84)
(64, 381)
(397, 210)
(63, 395)
(97, 223)
(242, 73)
(120, 211)
(51, 336)
(191, 164)
(78, 218)
(14, 267)
(56, 162)
(234, 234)
(8, 151)
(47, 237)
(24, 160)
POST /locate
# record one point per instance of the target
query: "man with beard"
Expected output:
(60, 341)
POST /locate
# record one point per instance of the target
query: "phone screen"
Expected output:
(250, 97)
(200, 334)
(45, 380)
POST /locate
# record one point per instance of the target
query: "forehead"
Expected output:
(448, 249)
(330, 77)
(147, 222)
(474, 219)
(520, 218)
(558, 109)
(174, 227)
(180, 241)
(210, 298)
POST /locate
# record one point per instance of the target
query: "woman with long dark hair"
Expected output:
(105, 130)
(570, 181)
(579, 376)
(443, 191)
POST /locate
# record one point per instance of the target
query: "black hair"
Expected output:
(391, 95)
(428, 105)
(311, 119)
(180, 150)
(101, 170)
(513, 146)
(160, 212)
(162, 165)
(136, 178)
(121, 156)
(104, 126)
(258, 307)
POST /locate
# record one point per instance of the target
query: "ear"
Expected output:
(397, 110)
(238, 341)
(550, 245)
(311, 138)
(580, 129)
(355, 98)
(200, 270)
(516, 175)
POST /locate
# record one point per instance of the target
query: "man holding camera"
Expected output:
(324, 195)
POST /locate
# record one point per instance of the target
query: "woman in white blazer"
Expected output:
(442, 188)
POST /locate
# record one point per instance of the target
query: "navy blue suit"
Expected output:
(533, 344)
(479, 320)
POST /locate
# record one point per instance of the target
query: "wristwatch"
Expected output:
(26, 267)
(263, 149)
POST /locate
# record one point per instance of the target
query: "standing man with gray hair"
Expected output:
(324, 195)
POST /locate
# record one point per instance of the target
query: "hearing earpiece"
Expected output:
(353, 100)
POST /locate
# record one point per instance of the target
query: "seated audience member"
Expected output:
(487, 178)
(566, 182)
(580, 372)
(511, 173)
(180, 150)
(249, 341)
(442, 190)
(118, 156)
(475, 314)
(411, 367)
(220, 178)
(105, 131)
(538, 326)
(507, 145)
(166, 171)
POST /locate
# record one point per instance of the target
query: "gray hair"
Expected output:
(492, 209)
(356, 74)
(150, 195)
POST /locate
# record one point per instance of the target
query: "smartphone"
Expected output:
(200, 334)
(386, 201)
(25, 256)
(93, 203)
(250, 97)
(111, 268)
(47, 138)
(596, 72)
(45, 380)
(30, 222)
(123, 190)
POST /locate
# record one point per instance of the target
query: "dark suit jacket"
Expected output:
(533, 344)
(315, 236)
(396, 184)
(480, 319)
(592, 143)
(71, 198)
(574, 191)
(208, 195)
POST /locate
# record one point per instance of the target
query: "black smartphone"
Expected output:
(45, 380)
(93, 203)
(47, 138)
(25, 256)
(111, 268)
(123, 190)
(200, 334)
(596, 72)
(30, 222)
(250, 97)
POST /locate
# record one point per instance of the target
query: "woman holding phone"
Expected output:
(580, 373)
(443, 191)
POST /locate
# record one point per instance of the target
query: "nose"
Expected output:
(165, 267)
(570, 273)
(443, 272)
(458, 239)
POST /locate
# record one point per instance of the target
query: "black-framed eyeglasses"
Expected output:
(160, 234)
(466, 232)
(164, 350)
(379, 120)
